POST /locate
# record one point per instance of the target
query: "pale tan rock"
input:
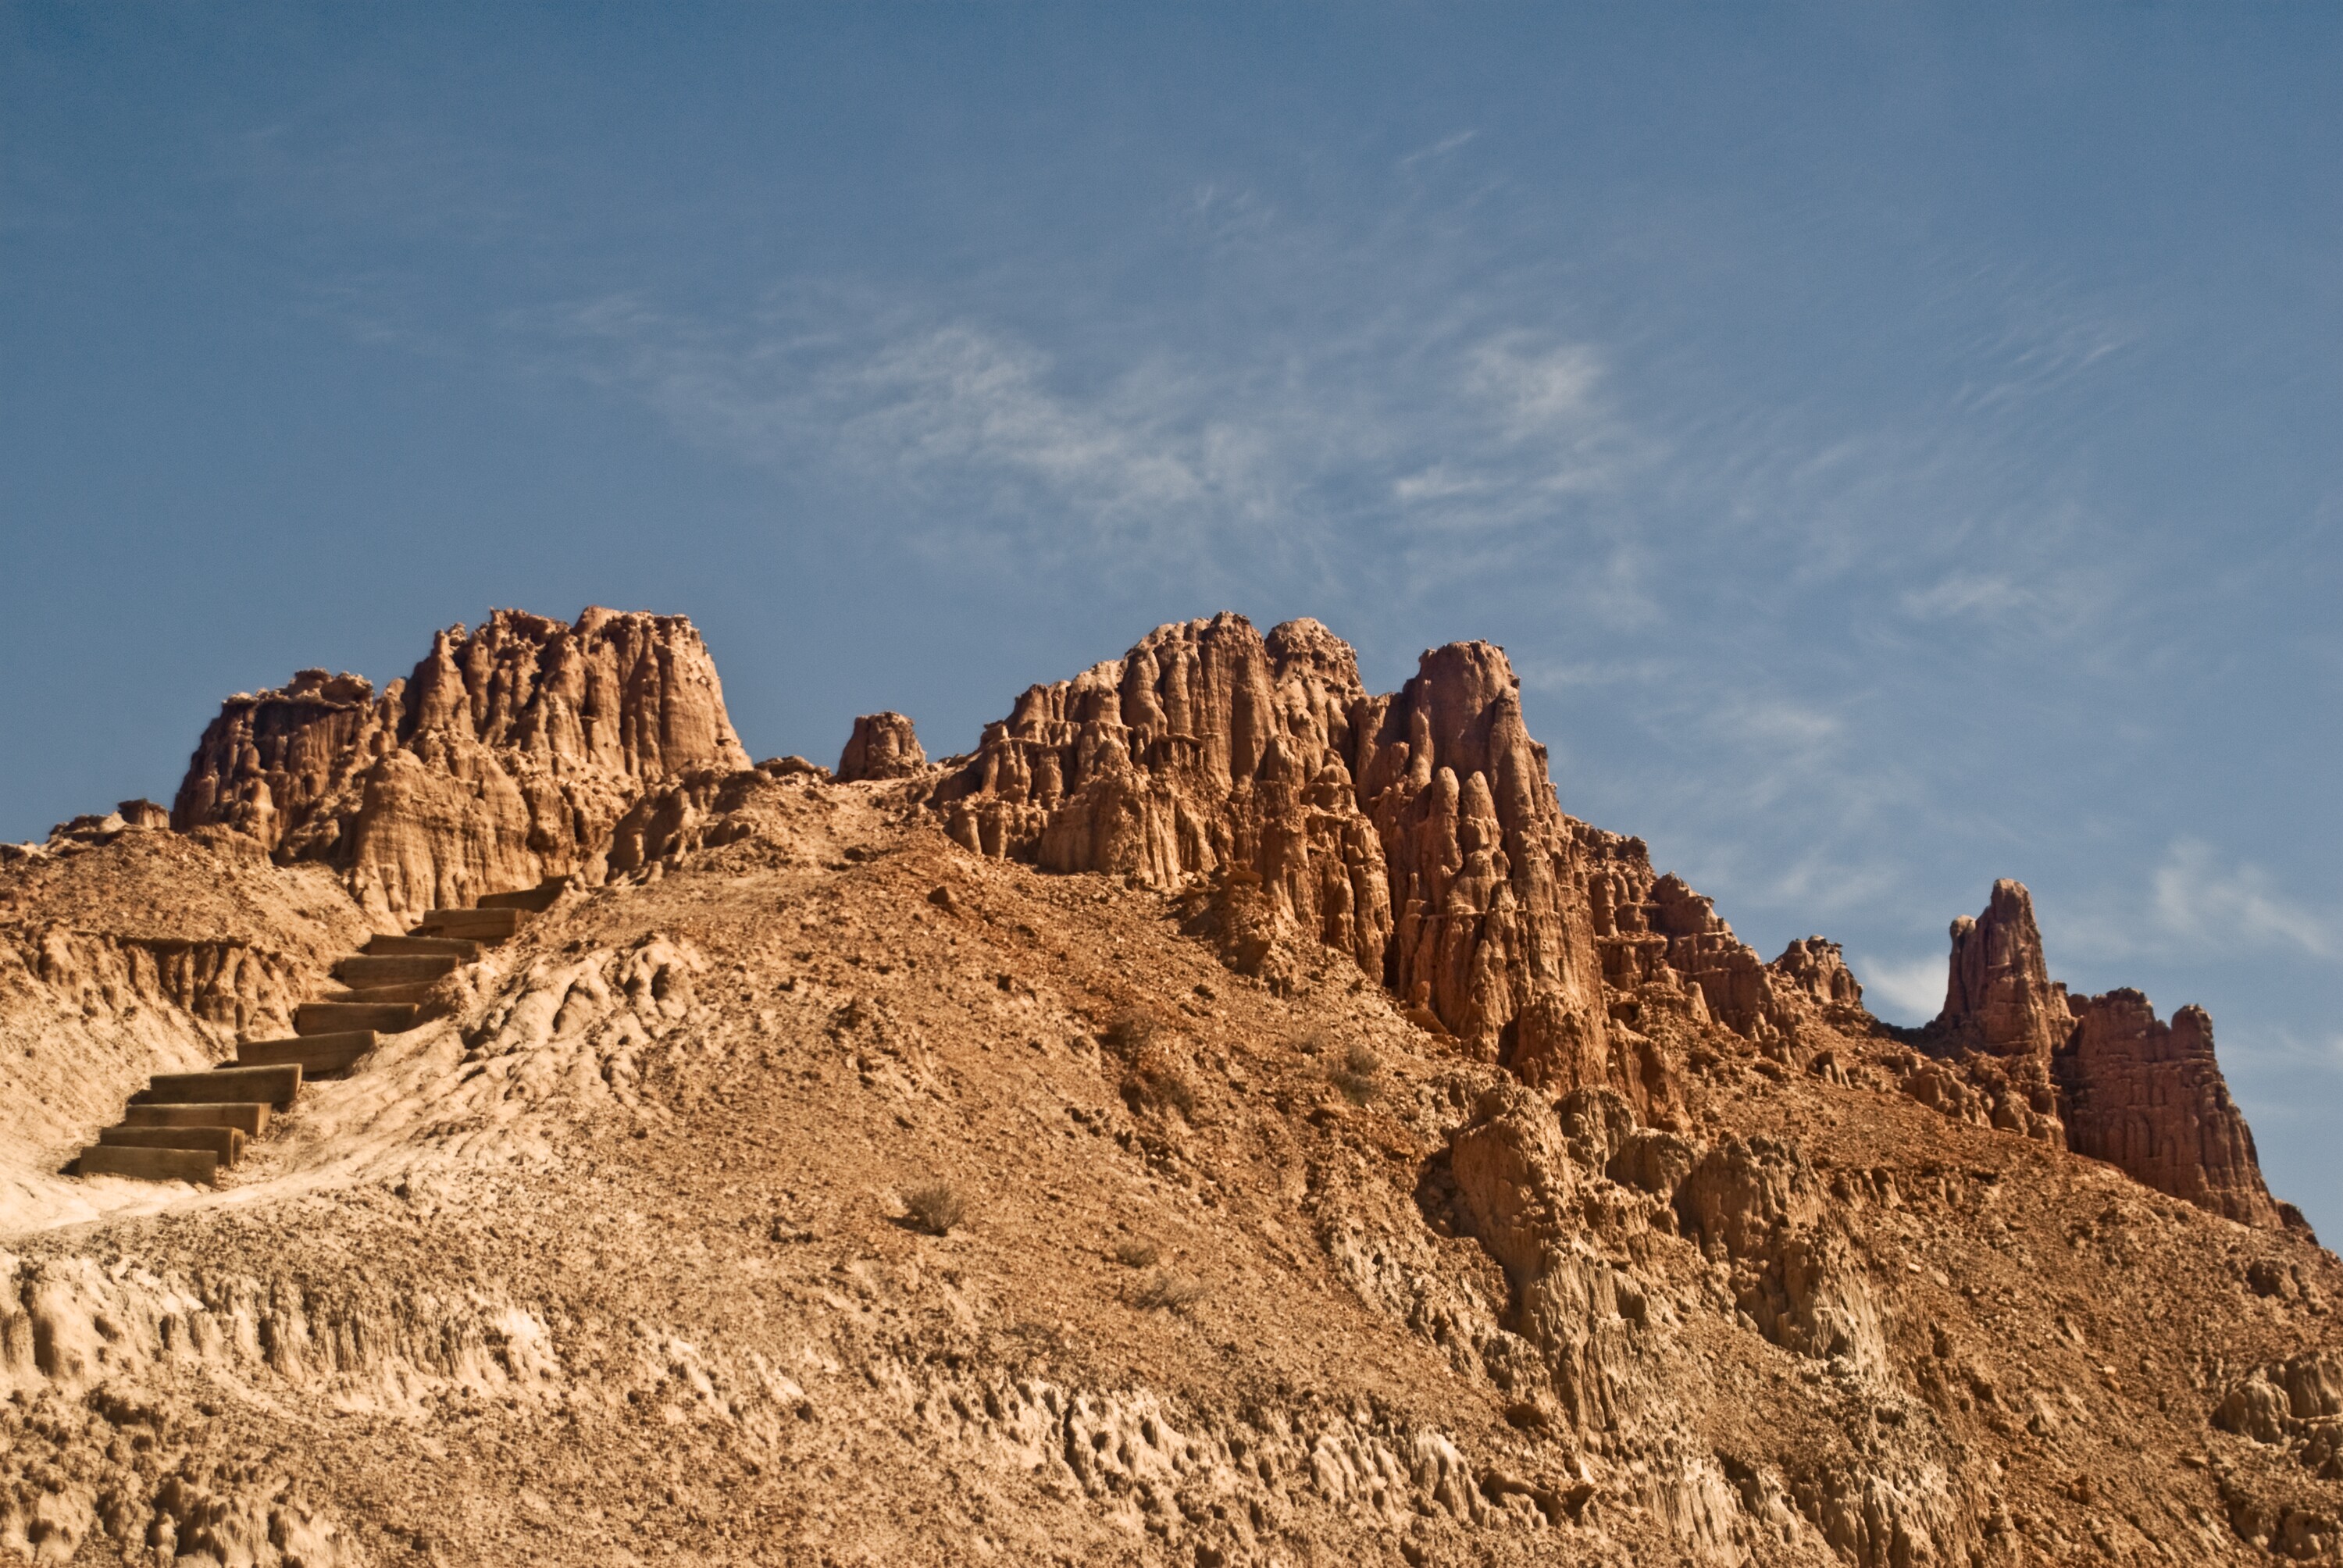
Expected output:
(503, 760)
(1815, 971)
(881, 747)
(1206, 746)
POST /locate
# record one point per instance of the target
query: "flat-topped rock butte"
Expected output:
(1225, 1116)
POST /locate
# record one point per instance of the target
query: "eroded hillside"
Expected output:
(1357, 1158)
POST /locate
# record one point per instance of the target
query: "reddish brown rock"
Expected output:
(1487, 882)
(1999, 996)
(2102, 1075)
(501, 761)
(1205, 747)
(2148, 1098)
(1416, 832)
(2001, 1008)
(881, 747)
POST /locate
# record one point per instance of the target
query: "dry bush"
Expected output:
(1169, 1086)
(1169, 1291)
(1313, 1042)
(1136, 1252)
(1154, 1075)
(935, 1208)
(1356, 1078)
(1130, 1033)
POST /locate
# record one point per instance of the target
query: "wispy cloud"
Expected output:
(1439, 149)
(2196, 904)
(2232, 907)
(1498, 429)
(1910, 990)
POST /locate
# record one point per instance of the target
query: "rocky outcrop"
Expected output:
(503, 760)
(1205, 748)
(881, 747)
(2003, 1017)
(1416, 832)
(2100, 1075)
(1999, 996)
(2147, 1097)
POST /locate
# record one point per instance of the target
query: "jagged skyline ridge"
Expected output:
(1853, 560)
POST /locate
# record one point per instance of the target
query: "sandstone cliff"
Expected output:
(1417, 832)
(503, 759)
(2147, 1097)
(2101, 1075)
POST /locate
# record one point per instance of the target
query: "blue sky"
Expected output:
(1897, 445)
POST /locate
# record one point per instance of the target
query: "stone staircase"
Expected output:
(190, 1126)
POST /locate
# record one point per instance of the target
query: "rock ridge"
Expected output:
(502, 761)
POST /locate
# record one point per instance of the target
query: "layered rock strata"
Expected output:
(502, 761)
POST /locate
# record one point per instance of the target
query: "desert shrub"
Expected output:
(1130, 1033)
(935, 1208)
(1170, 1087)
(1136, 1252)
(1313, 1042)
(1356, 1078)
(1166, 1290)
(1160, 1084)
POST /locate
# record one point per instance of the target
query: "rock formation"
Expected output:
(2100, 1075)
(881, 747)
(1502, 1207)
(1999, 995)
(502, 761)
(2147, 1097)
(1417, 832)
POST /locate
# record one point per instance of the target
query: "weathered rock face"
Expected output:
(1416, 832)
(503, 759)
(1488, 885)
(2101, 1075)
(1999, 996)
(2147, 1097)
(881, 747)
(1207, 747)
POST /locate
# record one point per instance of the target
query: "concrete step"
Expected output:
(150, 1164)
(225, 1143)
(402, 995)
(249, 1117)
(360, 970)
(339, 1016)
(314, 1054)
(479, 925)
(536, 901)
(462, 950)
(222, 1086)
